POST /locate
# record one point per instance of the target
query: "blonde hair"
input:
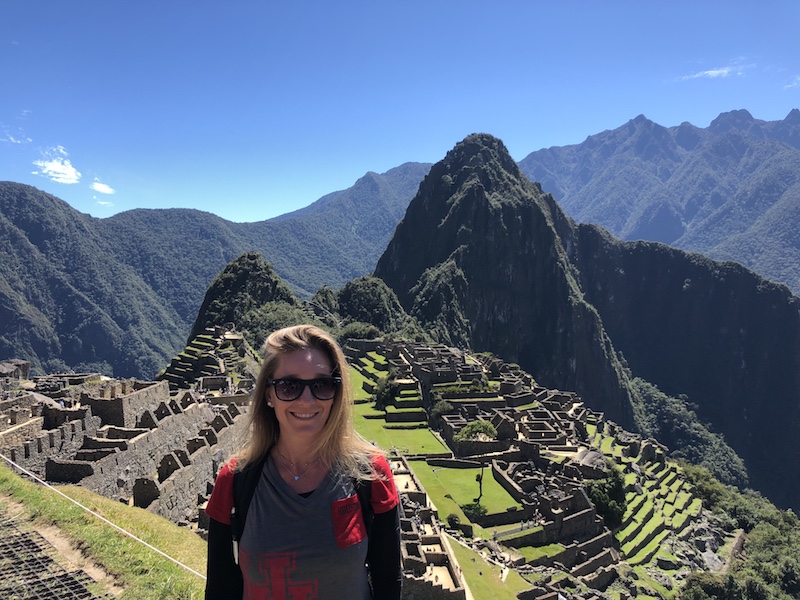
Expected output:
(338, 445)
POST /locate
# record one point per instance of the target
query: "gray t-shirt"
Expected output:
(304, 548)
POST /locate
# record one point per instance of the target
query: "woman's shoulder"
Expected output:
(383, 495)
(221, 501)
(380, 464)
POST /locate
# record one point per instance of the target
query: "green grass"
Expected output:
(483, 578)
(533, 553)
(143, 573)
(357, 383)
(369, 367)
(461, 485)
(410, 441)
(376, 358)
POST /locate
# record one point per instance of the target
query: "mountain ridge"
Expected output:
(167, 257)
(520, 279)
(136, 279)
(723, 191)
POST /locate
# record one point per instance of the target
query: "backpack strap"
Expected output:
(364, 492)
(244, 486)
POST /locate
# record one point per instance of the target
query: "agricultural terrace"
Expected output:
(408, 437)
(659, 504)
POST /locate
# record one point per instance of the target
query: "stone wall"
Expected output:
(21, 401)
(417, 588)
(125, 410)
(115, 475)
(475, 447)
(16, 435)
(34, 453)
(188, 487)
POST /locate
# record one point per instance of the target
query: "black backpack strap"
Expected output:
(364, 491)
(244, 486)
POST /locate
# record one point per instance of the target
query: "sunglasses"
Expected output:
(291, 388)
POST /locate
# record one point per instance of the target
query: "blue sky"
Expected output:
(250, 109)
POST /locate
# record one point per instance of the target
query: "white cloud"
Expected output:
(711, 74)
(55, 166)
(793, 84)
(738, 67)
(17, 137)
(7, 137)
(102, 187)
(102, 202)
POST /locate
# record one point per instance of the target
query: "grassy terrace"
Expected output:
(484, 579)
(449, 489)
(667, 505)
(371, 423)
(409, 441)
(377, 358)
(357, 380)
(376, 370)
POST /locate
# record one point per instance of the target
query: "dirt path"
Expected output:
(66, 554)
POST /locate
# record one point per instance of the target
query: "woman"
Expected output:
(308, 531)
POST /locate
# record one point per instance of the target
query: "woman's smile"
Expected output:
(306, 416)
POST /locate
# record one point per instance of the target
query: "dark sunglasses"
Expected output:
(291, 388)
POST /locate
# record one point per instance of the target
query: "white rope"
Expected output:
(102, 518)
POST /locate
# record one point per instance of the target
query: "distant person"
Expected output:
(323, 521)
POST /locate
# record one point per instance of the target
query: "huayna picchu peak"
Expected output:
(481, 243)
(485, 259)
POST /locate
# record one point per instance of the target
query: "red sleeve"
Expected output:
(221, 501)
(384, 493)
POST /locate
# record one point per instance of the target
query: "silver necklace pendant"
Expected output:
(286, 464)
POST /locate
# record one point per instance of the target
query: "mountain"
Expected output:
(121, 294)
(730, 191)
(478, 258)
(341, 235)
(66, 301)
(485, 259)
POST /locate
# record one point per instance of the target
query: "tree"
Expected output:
(608, 497)
(474, 511)
(477, 430)
(442, 407)
(479, 479)
(386, 390)
(453, 520)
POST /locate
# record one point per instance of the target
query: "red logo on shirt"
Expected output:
(348, 522)
(277, 585)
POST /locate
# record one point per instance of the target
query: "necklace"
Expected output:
(286, 464)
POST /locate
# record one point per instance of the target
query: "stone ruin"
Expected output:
(541, 456)
(158, 448)
(128, 440)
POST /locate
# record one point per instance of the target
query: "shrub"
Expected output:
(442, 407)
(386, 390)
(476, 430)
(608, 497)
(474, 511)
